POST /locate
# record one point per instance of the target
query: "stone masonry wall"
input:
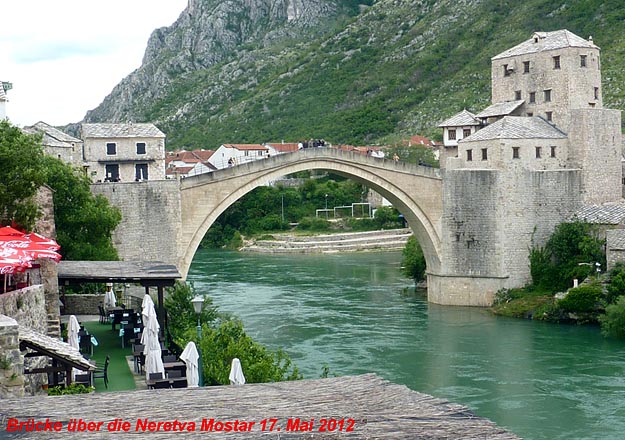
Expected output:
(27, 307)
(150, 226)
(11, 360)
(82, 304)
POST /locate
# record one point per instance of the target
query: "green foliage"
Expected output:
(236, 242)
(525, 303)
(22, 172)
(71, 389)
(616, 287)
(387, 217)
(413, 261)
(84, 222)
(416, 154)
(314, 224)
(584, 299)
(571, 252)
(227, 341)
(613, 322)
(180, 312)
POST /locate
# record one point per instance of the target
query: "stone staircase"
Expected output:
(394, 239)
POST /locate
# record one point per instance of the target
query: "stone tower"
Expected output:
(545, 148)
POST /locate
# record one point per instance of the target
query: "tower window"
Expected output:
(516, 152)
(538, 152)
(582, 60)
(506, 71)
(596, 92)
(466, 132)
(484, 153)
(469, 155)
(549, 116)
(140, 147)
(526, 67)
(532, 97)
(556, 62)
(548, 95)
(530, 114)
(517, 95)
(451, 134)
(111, 148)
(553, 151)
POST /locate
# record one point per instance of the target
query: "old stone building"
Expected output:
(124, 152)
(58, 144)
(545, 147)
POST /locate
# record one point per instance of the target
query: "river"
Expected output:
(349, 312)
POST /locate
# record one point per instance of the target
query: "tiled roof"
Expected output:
(178, 170)
(243, 147)
(54, 347)
(461, 119)
(616, 239)
(285, 148)
(500, 109)
(602, 214)
(55, 132)
(542, 41)
(517, 127)
(130, 130)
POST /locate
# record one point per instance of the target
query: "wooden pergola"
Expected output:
(64, 356)
(146, 273)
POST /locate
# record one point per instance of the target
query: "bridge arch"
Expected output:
(414, 190)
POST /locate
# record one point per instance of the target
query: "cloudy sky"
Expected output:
(64, 56)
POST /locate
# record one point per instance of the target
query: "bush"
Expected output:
(616, 287)
(613, 322)
(72, 389)
(313, 224)
(413, 261)
(581, 299)
(180, 312)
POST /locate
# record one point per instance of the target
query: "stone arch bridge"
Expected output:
(414, 190)
(166, 220)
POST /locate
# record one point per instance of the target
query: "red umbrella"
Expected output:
(17, 250)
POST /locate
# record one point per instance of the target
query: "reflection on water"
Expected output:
(346, 311)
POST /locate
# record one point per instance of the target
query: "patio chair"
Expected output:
(169, 358)
(179, 383)
(102, 373)
(174, 373)
(156, 376)
(83, 379)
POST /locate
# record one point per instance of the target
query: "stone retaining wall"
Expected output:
(82, 304)
(27, 306)
(11, 360)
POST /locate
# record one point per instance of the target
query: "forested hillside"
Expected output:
(348, 73)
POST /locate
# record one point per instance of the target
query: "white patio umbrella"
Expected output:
(190, 357)
(73, 327)
(236, 373)
(109, 297)
(152, 350)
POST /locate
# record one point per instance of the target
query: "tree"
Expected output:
(180, 312)
(613, 322)
(84, 222)
(413, 262)
(22, 172)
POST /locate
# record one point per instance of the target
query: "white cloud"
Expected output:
(64, 56)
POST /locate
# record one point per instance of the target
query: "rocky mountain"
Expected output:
(348, 71)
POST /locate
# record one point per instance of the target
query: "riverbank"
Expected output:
(382, 240)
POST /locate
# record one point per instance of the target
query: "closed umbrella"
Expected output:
(109, 297)
(152, 350)
(190, 356)
(236, 373)
(73, 328)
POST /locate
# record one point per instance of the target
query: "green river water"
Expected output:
(347, 311)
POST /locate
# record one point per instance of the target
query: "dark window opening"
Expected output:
(141, 171)
(526, 67)
(506, 70)
(553, 151)
(532, 97)
(548, 95)
(556, 62)
(582, 60)
(596, 92)
(516, 152)
(538, 152)
(466, 132)
(451, 134)
(140, 147)
(112, 173)
(484, 153)
(469, 155)
(517, 95)
(111, 148)
(530, 114)
(549, 116)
